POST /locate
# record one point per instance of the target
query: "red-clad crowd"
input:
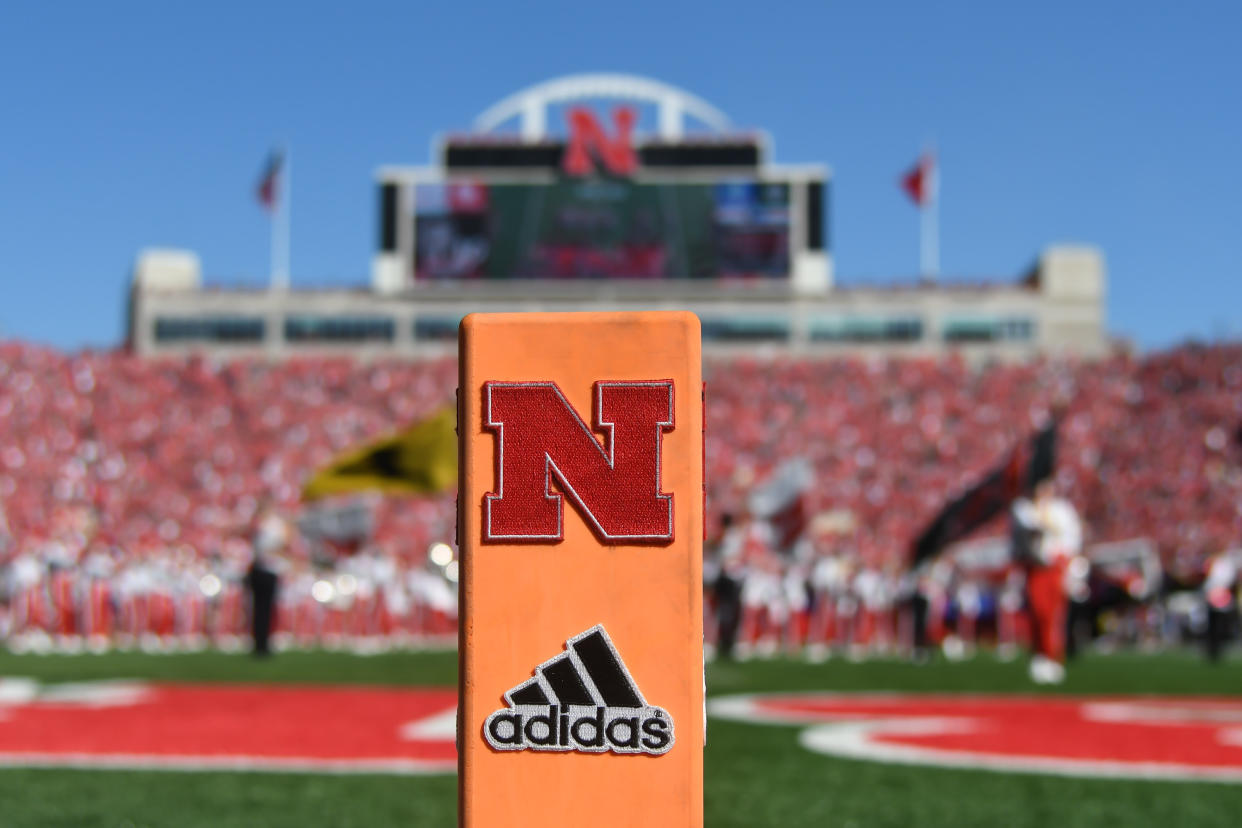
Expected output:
(1147, 447)
(130, 489)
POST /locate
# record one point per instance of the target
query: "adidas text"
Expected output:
(588, 729)
(583, 699)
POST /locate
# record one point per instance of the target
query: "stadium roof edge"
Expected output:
(412, 173)
(530, 104)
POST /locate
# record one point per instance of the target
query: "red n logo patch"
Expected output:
(585, 134)
(615, 486)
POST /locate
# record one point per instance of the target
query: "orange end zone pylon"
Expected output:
(580, 522)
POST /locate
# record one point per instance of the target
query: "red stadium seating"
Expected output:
(165, 461)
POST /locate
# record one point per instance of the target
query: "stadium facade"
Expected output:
(662, 205)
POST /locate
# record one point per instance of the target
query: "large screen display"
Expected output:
(601, 229)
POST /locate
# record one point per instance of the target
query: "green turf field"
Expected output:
(755, 775)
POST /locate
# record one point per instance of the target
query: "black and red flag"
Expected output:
(1028, 464)
(268, 189)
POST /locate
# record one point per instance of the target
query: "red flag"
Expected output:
(918, 181)
(268, 191)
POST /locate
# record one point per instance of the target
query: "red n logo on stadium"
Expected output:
(586, 135)
(615, 487)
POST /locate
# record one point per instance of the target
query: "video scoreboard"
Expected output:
(592, 200)
(601, 228)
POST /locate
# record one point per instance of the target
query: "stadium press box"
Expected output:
(580, 523)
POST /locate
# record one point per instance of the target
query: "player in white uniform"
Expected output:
(1055, 539)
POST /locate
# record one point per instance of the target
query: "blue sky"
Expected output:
(131, 125)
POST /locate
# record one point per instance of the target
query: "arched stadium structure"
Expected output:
(527, 212)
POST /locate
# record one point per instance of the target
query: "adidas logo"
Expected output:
(582, 700)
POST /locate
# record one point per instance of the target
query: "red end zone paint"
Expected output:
(1143, 738)
(243, 727)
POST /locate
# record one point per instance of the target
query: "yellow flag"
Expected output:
(420, 460)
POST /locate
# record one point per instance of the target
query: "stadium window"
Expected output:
(338, 329)
(746, 329)
(436, 327)
(1018, 328)
(1008, 328)
(218, 329)
(970, 330)
(867, 329)
(862, 330)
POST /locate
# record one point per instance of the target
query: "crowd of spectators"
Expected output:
(1147, 446)
(110, 464)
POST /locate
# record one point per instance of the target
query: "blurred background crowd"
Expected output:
(136, 494)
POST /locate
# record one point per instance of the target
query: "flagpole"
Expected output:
(280, 225)
(925, 269)
(273, 243)
(929, 214)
